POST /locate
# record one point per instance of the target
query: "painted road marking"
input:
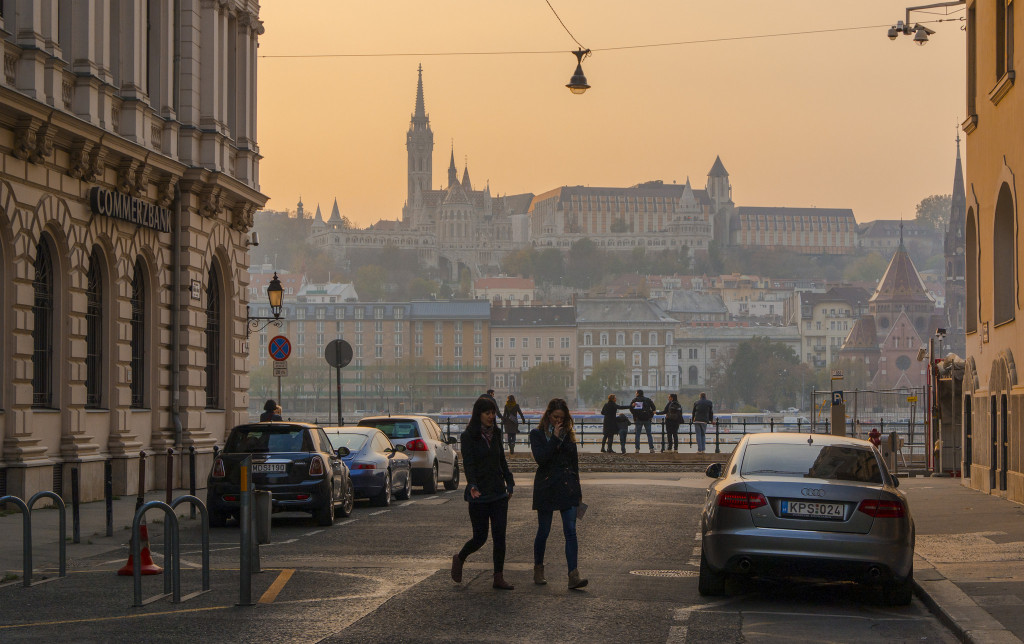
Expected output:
(107, 619)
(347, 521)
(310, 534)
(275, 588)
(379, 512)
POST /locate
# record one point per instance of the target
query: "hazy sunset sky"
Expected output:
(843, 120)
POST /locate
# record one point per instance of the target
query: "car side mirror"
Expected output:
(895, 480)
(342, 452)
(714, 471)
(452, 440)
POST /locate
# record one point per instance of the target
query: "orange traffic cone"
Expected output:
(148, 567)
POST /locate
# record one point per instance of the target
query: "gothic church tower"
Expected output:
(956, 287)
(419, 143)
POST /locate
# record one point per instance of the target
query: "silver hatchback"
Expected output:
(807, 505)
(434, 458)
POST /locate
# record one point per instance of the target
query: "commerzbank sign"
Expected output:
(131, 209)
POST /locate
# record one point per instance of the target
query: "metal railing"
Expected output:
(172, 550)
(26, 526)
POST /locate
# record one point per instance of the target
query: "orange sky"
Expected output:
(843, 120)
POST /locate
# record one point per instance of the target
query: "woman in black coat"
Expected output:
(556, 486)
(510, 418)
(489, 485)
(611, 427)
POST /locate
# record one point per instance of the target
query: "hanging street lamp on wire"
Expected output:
(578, 83)
(920, 32)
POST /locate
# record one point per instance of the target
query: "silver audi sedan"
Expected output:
(807, 505)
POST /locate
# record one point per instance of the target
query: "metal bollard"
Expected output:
(170, 475)
(140, 497)
(26, 537)
(108, 494)
(245, 536)
(718, 448)
(192, 479)
(76, 517)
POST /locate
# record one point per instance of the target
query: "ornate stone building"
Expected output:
(129, 181)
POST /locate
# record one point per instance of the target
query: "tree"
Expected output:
(868, 268)
(933, 212)
(545, 381)
(549, 266)
(753, 375)
(369, 282)
(586, 264)
(606, 378)
(620, 226)
(519, 262)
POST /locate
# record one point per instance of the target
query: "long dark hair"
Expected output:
(554, 405)
(481, 405)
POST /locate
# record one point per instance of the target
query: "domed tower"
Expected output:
(419, 145)
(956, 287)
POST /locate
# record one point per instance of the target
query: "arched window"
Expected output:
(94, 332)
(692, 374)
(43, 286)
(138, 341)
(971, 279)
(213, 338)
(1004, 272)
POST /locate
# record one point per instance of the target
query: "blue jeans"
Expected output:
(700, 428)
(644, 424)
(544, 529)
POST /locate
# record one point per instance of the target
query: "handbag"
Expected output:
(581, 510)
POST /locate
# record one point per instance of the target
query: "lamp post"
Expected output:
(275, 294)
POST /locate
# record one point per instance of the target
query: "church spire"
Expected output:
(421, 112)
(453, 173)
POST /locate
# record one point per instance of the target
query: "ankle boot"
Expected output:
(500, 583)
(538, 575)
(575, 581)
(456, 569)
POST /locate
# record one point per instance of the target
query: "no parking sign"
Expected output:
(279, 348)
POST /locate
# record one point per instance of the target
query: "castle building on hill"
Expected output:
(458, 229)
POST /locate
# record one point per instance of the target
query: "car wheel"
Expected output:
(710, 583)
(407, 490)
(325, 515)
(384, 498)
(431, 485)
(454, 483)
(348, 498)
(218, 519)
(898, 593)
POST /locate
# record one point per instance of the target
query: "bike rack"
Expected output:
(26, 526)
(205, 522)
(172, 555)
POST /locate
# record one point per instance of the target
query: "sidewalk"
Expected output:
(93, 528)
(969, 563)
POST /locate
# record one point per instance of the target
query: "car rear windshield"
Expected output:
(354, 442)
(830, 462)
(268, 439)
(394, 429)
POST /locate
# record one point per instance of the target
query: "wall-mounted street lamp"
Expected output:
(275, 293)
(578, 83)
(920, 32)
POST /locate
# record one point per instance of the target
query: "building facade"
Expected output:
(993, 429)
(523, 337)
(129, 182)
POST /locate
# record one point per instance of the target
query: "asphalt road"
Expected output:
(382, 575)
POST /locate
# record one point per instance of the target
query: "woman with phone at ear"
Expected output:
(556, 486)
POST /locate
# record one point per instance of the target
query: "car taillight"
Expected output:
(416, 445)
(231, 498)
(316, 466)
(301, 497)
(218, 469)
(741, 500)
(364, 466)
(882, 509)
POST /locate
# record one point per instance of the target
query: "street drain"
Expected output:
(664, 573)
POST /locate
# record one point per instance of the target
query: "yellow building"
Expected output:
(992, 432)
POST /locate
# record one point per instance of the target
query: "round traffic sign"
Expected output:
(338, 353)
(279, 348)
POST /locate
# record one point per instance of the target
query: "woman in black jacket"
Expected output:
(556, 486)
(510, 419)
(611, 426)
(489, 485)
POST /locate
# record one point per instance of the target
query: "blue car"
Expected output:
(380, 470)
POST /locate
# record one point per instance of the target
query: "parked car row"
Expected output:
(323, 470)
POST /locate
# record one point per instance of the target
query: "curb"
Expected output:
(968, 621)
